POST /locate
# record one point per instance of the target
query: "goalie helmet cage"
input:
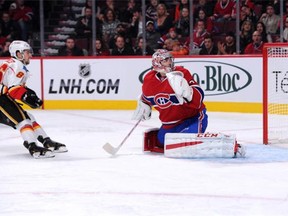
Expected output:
(275, 93)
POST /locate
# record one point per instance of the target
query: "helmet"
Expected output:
(158, 57)
(20, 46)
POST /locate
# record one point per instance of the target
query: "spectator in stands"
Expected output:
(138, 50)
(183, 23)
(276, 6)
(110, 5)
(249, 3)
(121, 30)
(207, 5)
(246, 34)
(178, 49)
(256, 46)
(83, 26)
(246, 13)
(168, 43)
(270, 20)
(100, 49)
(199, 34)
(285, 11)
(83, 29)
(285, 31)
(5, 51)
(172, 34)
(23, 15)
(164, 21)
(109, 26)
(208, 48)
(8, 28)
(228, 47)
(70, 49)
(121, 49)
(223, 10)
(127, 13)
(261, 28)
(88, 4)
(151, 10)
(201, 15)
(152, 36)
(178, 9)
(135, 25)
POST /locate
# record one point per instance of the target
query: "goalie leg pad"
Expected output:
(202, 145)
(151, 142)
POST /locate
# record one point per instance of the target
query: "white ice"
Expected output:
(86, 181)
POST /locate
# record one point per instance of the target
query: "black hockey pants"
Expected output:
(11, 113)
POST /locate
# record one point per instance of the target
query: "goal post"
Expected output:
(275, 93)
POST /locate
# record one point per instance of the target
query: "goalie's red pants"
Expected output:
(197, 124)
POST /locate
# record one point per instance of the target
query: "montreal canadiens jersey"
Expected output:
(157, 92)
(14, 74)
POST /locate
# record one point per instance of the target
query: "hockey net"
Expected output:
(275, 93)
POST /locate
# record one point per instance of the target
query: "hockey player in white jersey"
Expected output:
(13, 91)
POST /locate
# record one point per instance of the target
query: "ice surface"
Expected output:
(87, 181)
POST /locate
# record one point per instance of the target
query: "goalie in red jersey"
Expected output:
(178, 98)
(13, 91)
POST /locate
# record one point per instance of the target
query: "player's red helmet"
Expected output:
(158, 57)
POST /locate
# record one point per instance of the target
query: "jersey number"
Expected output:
(20, 74)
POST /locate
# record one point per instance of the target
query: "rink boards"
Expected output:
(232, 84)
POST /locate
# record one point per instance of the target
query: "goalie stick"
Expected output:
(112, 150)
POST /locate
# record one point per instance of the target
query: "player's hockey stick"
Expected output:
(112, 150)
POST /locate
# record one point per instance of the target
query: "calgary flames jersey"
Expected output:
(13, 75)
(157, 92)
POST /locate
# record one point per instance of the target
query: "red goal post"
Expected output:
(275, 93)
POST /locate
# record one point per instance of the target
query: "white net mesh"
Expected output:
(277, 94)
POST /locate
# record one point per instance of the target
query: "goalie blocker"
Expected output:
(194, 145)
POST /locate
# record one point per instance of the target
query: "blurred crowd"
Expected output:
(15, 23)
(120, 31)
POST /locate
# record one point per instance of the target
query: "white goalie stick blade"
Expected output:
(110, 149)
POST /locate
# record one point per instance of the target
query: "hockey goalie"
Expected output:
(178, 98)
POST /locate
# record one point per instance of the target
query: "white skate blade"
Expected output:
(62, 149)
(48, 154)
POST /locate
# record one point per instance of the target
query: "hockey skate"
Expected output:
(52, 145)
(37, 151)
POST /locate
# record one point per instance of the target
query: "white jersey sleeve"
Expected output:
(16, 73)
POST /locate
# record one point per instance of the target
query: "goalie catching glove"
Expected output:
(143, 111)
(180, 86)
(31, 99)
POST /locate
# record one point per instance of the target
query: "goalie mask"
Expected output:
(162, 61)
(19, 46)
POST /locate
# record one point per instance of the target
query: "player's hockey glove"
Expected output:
(3, 89)
(31, 99)
(143, 111)
(180, 86)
